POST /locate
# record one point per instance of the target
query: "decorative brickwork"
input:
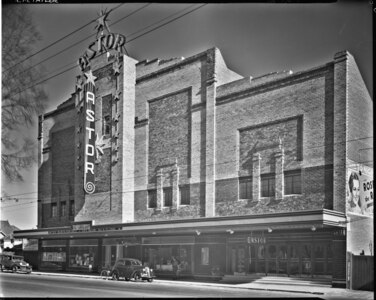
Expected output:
(169, 132)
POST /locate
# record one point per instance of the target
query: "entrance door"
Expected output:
(294, 264)
(282, 259)
(272, 259)
(306, 259)
(252, 259)
(238, 259)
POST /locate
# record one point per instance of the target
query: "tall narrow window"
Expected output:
(245, 188)
(267, 185)
(152, 199)
(71, 207)
(184, 195)
(167, 197)
(293, 182)
(106, 125)
(53, 210)
(205, 256)
(63, 209)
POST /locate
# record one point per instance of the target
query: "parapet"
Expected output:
(146, 67)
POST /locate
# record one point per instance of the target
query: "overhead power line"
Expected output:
(58, 40)
(48, 78)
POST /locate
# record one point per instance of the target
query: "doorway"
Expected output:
(237, 259)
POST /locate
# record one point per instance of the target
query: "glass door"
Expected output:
(306, 259)
(261, 263)
(272, 259)
(282, 259)
(252, 259)
(237, 259)
(293, 268)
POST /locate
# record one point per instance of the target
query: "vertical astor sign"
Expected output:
(89, 122)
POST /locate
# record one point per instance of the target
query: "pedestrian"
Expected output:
(175, 267)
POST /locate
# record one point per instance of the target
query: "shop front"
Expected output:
(286, 244)
(301, 254)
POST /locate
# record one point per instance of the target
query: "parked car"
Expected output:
(130, 268)
(16, 263)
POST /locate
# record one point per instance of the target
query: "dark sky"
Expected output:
(254, 39)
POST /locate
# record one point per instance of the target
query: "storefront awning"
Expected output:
(277, 221)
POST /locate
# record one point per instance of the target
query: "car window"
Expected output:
(136, 263)
(120, 262)
(128, 263)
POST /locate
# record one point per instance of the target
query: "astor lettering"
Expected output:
(103, 43)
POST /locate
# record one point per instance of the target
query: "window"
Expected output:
(167, 197)
(184, 195)
(71, 208)
(63, 209)
(293, 182)
(205, 256)
(106, 125)
(152, 197)
(53, 210)
(267, 185)
(245, 188)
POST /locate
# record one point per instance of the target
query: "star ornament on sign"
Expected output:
(79, 83)
(116, 66)
(117, 95)
(102, 21)
(99, 144)
(90, 77)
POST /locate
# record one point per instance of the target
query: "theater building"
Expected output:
(186, 158)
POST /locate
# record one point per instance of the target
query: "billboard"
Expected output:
(359, 193)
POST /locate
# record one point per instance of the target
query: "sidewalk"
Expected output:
(324, 292)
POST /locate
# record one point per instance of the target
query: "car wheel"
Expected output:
(115, 276)
(127, 279)
(136, 277)
(150, 279)
(14, 269)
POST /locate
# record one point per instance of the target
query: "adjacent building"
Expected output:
(186, 158)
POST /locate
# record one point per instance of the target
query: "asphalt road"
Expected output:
(33, 285)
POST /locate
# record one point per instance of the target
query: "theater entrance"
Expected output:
(290, 259)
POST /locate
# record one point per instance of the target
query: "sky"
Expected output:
(254, 39)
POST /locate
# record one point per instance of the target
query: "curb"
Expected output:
(190, 283)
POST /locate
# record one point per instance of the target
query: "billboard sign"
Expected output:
(359, 193)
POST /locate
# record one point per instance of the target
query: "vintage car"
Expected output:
(15, 263)
(130, 268)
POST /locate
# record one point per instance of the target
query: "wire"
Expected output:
(191, 165)
(80, 41)
(87, 38)
(174, 19)
(60, 39)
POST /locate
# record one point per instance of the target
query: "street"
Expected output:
(34, 285)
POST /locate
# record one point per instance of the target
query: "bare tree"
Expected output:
(22, 100)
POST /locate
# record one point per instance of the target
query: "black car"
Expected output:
(15, 263)
(130, 268)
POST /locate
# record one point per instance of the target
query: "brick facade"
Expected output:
(193, 122)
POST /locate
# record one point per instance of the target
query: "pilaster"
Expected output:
(256, 177)
(159, 188)
(279, 176)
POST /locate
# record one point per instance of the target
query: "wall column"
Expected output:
(256, 177)
(159, 188)
(211, 87)
(175, 186)
(279, 176)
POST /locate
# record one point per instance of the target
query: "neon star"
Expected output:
(90, 77)
(117, 95)
(116, 66)
(79, 83)
(99, 144)
(102, 21)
